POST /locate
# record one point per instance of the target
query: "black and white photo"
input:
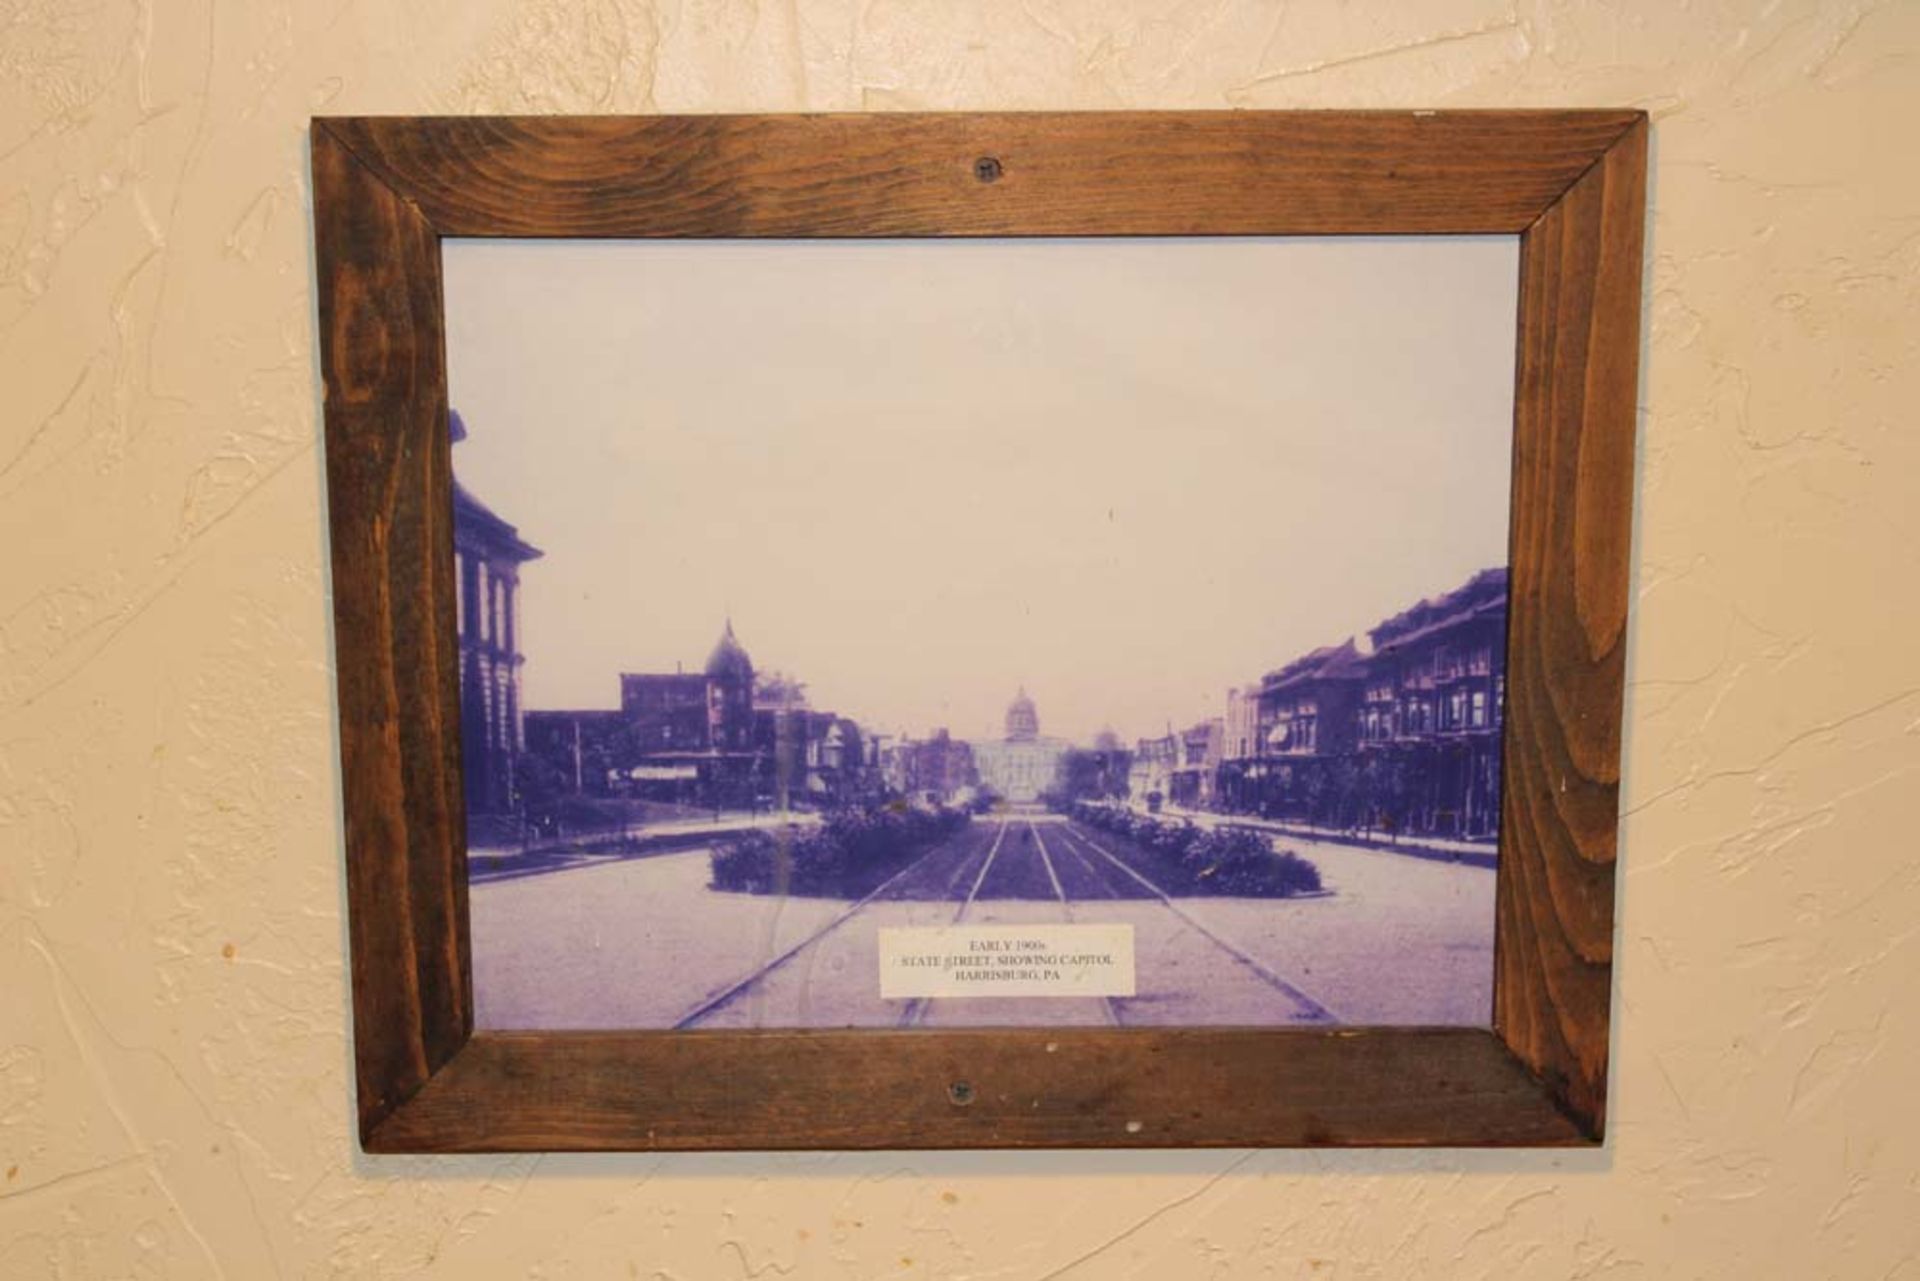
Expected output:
(1076, 633)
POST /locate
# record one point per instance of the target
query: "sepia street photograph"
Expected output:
(1102, 632)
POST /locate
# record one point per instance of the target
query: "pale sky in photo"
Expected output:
(1126, 474)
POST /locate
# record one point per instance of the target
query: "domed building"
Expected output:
(700, 738)
(1023, 719)
(1022, 765)
(683, 736)
(729, 660)
(729, 695)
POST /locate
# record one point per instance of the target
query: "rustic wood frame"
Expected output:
(1571, 184)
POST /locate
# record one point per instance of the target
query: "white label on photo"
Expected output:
(1007, 960)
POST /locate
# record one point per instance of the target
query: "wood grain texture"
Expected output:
(1078, 1088)
(1577, 390)
(390, 517)
(1150, 173)
(385, 191)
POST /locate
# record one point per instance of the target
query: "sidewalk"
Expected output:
(1475, 853)
(650, 838)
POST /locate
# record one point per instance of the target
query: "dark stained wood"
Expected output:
(1577, 389)
(386, 190)
(1151, 173)
(1085, 1088)
(390, 516)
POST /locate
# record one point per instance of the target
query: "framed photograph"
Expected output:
(980, 630)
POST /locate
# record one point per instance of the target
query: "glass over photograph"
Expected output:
(982, 633)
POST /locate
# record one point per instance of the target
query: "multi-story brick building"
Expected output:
(701, 738)
(704, 713)
(1404, 737)
(687, 737)
(1432, 712)
(1306, 729)
(1307, 707)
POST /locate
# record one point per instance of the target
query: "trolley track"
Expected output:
(1312, 1010)
(1073, 870)
(725, 996)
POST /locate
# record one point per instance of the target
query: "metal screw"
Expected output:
(987, 169)
(961, 1093)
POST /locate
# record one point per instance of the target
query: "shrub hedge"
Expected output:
(847, 856)
(1187, 859)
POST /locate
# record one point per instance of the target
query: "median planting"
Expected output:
(848, 855)
(1184, 859)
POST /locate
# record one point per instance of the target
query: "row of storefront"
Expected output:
(1400, 735)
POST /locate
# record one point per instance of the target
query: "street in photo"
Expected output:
(1096, 633)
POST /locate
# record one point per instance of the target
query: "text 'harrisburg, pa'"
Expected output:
(1007, 960)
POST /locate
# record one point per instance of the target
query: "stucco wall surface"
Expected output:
(174, 1083)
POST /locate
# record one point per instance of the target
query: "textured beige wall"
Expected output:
(173, 1064)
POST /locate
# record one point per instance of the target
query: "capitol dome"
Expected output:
(1023, 722)
(729, 662)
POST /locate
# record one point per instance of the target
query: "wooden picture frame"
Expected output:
(1570, 184)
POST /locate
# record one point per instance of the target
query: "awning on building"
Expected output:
(651, 773)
